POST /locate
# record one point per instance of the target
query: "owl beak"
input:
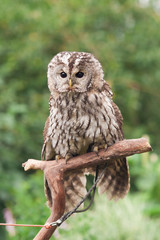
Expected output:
(70, 83)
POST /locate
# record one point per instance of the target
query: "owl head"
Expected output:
(74, 72)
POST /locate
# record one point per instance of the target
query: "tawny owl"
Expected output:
(83, 118)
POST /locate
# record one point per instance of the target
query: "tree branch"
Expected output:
(54, 172)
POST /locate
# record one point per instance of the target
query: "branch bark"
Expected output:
(54, 172)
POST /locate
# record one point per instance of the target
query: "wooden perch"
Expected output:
(54, 172)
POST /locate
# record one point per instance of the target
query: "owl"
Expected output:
(83, 118)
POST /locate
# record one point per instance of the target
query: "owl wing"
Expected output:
(108, 92)
(116, 180)
(44, 138)
(47, 152)
(119, 120)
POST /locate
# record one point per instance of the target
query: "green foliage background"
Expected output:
(124, 35)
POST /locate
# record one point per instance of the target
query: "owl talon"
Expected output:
(57, 158)
(105, 146)
(68, 156)
(95, 149)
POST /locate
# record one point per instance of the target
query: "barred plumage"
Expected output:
(83, 117)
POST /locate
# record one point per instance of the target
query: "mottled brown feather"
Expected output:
(83, 116)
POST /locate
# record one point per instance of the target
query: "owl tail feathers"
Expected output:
(115, 180)
(75, 189)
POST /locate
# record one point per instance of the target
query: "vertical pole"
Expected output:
(56, 186)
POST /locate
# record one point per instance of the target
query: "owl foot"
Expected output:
(57, 158)
(68, 156)
(96, 148)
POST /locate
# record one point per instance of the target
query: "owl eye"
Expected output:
(79, 74)
(63, 74)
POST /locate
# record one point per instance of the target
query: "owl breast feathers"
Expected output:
(83, 118)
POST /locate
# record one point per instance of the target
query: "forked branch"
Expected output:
(54, 172)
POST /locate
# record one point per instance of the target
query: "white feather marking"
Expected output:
(65, 58)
